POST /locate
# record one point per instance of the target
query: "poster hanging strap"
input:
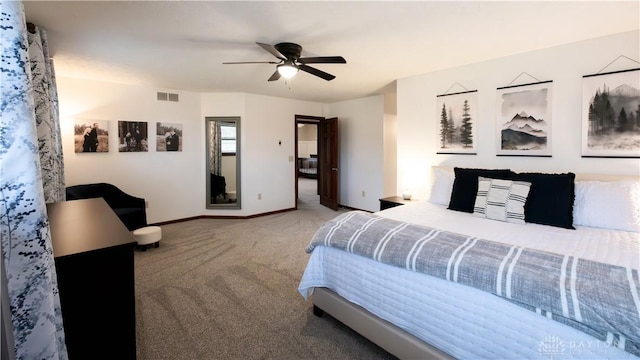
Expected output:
(614, 72)
(618, 58)
(446, 93)
(538, 81)
(523, 73)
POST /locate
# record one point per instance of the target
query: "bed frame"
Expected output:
(383, 333)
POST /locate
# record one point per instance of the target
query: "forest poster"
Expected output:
(523, 120)
(457, 117)
(611, 114)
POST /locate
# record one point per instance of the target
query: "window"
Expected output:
(228, 139)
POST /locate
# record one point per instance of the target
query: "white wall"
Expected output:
(307, 148)
(271, 133)
(307, 140)
(565, 65)
(174, 183)
(162, 178)
(390, 156)
(267, 148)
(361, 168)
(228, 168)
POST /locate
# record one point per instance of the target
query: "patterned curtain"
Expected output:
(215, 141)
(24, 228)
(45, 95)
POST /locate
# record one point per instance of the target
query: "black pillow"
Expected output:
(465, 186)
(550, 200)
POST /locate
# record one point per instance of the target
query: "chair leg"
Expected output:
(157, 244)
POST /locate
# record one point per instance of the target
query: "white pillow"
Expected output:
(442, 186)
(501, 200)
(610, 205)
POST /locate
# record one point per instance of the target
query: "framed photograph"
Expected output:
(523, 120)
(611, 114)
(457, 114)
(168, 137)
(91, 136)
(132, 136)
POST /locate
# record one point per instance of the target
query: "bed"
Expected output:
(308, 167)
(462, 310)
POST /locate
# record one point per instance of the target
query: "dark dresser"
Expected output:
(93, 253)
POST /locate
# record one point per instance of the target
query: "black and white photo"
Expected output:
(168, 137)
(132, 136)
(91, 136)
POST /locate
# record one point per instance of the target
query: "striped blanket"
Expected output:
(599, 299)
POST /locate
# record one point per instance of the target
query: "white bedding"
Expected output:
(608, 246)
(462, 321)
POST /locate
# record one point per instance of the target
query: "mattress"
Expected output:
(603, 245)
(460, 320)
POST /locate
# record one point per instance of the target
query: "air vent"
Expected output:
(163, 96)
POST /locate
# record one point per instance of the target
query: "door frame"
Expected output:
(303, 119)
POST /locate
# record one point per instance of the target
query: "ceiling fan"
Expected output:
(290, 61)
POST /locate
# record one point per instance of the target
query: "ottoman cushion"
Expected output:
(148, 235)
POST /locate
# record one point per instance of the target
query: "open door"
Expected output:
(328, 156)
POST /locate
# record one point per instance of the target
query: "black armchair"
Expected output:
(130, 209)
(218, 186)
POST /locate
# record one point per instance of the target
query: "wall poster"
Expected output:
(523, 120)
(168, 137)
(457, 118)
(132, 136)
(91, 136)
(611, 114)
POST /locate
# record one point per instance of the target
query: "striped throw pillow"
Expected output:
(501, 199)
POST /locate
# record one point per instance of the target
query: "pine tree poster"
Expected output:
(457, 118)
(611, 114)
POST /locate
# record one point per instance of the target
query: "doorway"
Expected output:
(327, 158)
(306, 154)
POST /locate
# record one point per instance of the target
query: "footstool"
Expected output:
(148, 235)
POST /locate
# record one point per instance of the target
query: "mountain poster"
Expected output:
(523, 121)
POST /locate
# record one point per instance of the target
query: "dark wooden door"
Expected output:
(328, 157)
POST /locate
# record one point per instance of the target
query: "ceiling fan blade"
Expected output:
(316, 72)
(275, 76)
(250, 62)
(323, 60)
(272, 50)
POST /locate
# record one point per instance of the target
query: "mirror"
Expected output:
(223, 162)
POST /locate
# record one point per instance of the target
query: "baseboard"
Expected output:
(352, 208)
(241, 217)
(221, 217)
(175, 221)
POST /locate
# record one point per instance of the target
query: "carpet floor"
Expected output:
(227, 289)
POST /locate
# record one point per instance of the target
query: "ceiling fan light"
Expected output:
(287, 70)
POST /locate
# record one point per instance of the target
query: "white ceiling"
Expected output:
(181, 45)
